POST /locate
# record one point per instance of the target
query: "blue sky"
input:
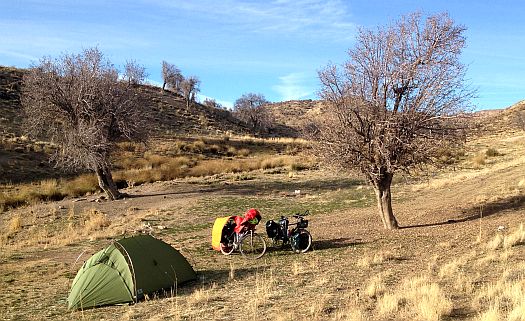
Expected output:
(273, 47)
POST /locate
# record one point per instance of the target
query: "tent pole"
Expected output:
(130, 264)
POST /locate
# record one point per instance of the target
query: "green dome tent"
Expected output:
(126, 270)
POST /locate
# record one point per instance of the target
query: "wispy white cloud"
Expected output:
(17, 55)
(312, 19)
(294, 86)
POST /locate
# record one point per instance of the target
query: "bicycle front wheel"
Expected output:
(301, 241)
(252, 246)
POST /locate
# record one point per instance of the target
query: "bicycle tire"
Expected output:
(301, 241)
(227, 249)
(252, 246)
(278, 243)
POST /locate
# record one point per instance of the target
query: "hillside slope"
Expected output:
(169, 115)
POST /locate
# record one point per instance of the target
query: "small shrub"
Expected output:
(243, 152)
(231, 151)
(492, 152)
(492, 314)
(197, 147)
(49, 190)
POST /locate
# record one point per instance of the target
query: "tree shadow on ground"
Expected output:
(256, 188)
(485, 210)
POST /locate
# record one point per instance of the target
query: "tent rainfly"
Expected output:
(127, 270)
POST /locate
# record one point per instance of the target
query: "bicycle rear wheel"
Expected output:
(301, 241)
(227, 249)
(252, 246)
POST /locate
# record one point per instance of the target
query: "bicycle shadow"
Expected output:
(317, 245)
(337, 243)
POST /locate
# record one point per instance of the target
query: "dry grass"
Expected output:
(377, 259)
(341, 279)
(95, 221)
(514, 238)
(15, 225)
(479, 160)
(166, 160)
(419, 298)
(376, 287)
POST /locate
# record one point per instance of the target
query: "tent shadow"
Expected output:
(473, 213)
(224, 275)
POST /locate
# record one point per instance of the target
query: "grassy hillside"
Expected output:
(169, 113)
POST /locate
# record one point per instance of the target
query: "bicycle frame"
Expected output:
(284, 232)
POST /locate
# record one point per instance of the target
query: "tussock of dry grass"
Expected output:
(376, 287)
(15, 224)
(417, 297)
(96, 221)
(514, 238)
(377, 259)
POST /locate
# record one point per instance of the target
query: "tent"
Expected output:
(127, 270)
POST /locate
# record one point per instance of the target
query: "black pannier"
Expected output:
(272, 229)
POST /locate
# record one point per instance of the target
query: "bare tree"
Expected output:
(78, 102)
(134, 73)
(189, 87)
(171, 76)
(396, 103)
(251, 109)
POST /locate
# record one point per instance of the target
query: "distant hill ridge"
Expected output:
(169, 115)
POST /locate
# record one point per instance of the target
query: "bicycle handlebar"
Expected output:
(299, 215)
(296, 216)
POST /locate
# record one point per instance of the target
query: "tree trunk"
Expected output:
(384, 201)
(105, 181)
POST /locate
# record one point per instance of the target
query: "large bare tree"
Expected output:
(171, 76)
(251, 109)
(396, 102)
(188, 89)
(134, 73)
(78, 102)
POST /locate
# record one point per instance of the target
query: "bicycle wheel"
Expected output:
(301, 241)
(227, 248)
(252, 246)
(277, 243)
